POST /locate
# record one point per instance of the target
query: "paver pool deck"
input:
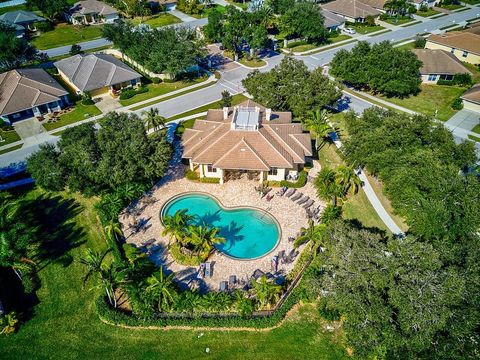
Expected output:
(290, 216)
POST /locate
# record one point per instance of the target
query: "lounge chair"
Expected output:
(308, 204)
(274, 264)
(290, 192)
(297, 196)
(265, 192)
(270, 197)
(305, 199)
(282, 191)
(208, 269)
(257, 274)
(223, 286)
(201, 271)
(232, 281)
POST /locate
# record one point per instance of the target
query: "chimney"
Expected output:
(268, 114)
(225, 113)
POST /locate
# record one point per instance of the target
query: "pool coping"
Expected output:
(280, 231)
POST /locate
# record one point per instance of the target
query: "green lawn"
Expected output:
(9, 137)
(64, 324)
(398, 20)
(452, 6)
(81, 112)
(241, 4)
(161, 89)
(12, 8)
(427, 13)
(365, 29)
(206, 12)
(474, 138)
(66, 34)
(472, 2)
(476, 129)
(253, 63)
(475, 71)
(13, 148)
(431, 98)
(157, 20)
(338, 38)
(409, 46)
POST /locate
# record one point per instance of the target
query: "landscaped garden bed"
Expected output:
(78, 113)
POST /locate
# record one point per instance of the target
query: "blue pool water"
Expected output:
(249, 233)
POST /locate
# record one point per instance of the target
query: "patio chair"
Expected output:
(297, 196)
(257, 274)
(269, 197)
(223, 286)
(303, 200)
(232, 281)
(282, 191)
(290, 192)
(274, 264)
(201, 271)
(308, 204)
(208, 269)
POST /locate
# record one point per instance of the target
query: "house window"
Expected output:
(273, 171)
(210, 168)
(465, 54)
(446, 77)
(432, 77)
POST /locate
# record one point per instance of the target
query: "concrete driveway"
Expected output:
(106, 103)
(28, 128)
(464, 119)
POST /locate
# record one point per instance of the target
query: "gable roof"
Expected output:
(439, 62)
(473, 94)
(459, 40)
(91, 7)
(376, 4)
(19, 17)
(276, 143)
(26, 88)
(330, 19)
(350, 8)
(94, 71)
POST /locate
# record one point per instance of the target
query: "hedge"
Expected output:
(301, 181)
(129, 93)
(185, 259)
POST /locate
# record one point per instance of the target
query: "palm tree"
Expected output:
(175, 225)
(110, 277)
(203, 237)
(348, 180)
(317, 122)
(265, 291)
(153, 119)
(161, 287)
(313, 233)
(93, 260)
(113, 229)
(131, 190)
(243, 304)
(327, 185)
(8, 324)
(16, 243)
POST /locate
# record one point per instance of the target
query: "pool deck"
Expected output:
(146, 211)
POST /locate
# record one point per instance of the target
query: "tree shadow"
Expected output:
(230, 233)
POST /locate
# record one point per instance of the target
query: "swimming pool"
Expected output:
(250, 233)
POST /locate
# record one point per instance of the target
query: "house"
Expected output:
(162, 5)
(376, 4)
(351, 10)
(332, 21)
(419, 3)
(247, 138)
(97, 74)
(464, 45)
(21, 20)
(29, 92)
(471, 99)
(439, 65)
(90, 12)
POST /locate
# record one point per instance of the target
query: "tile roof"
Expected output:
(439, 62)
(19, 17)
(458, 40)
(473, 94)
(473, 28)
(91, 7)
(377, 4)
(350, 8)
(26, 88)
(94, 71)
(330, 19)
(277, 143)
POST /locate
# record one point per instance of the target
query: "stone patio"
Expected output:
(146, 211)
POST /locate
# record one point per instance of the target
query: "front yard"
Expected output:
(365, 29)
(428, 13)
(157, 20)
(81, 112)
(66, 34)
(8, 137)
(207, 11)
(331, 40)
(399, 20)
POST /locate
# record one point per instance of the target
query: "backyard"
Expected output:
(65, 324)
(66, 34)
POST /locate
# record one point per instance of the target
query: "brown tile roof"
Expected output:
(330, 19)
(473, 94)
(439, 62)
(377, 4)
(26, 88)
(350, 8)
(473, 28)
(92, 7)
(458, 40)
(276, 143)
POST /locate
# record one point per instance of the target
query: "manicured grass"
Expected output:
(237, 99)
(81, 112)
(12, 8)
(331, 40)
(157, 20)
(399, 20)
(472, 2)
(64, 324)
(409, 46)
(475, 69)
(330, 47)
(474, 138)
(9, 137)
(411, 23)
(304, 47)
(66, 34)
(13, 148)
(431, 98)
(161, 89)
(452, 6)
(365, 29)
(427, 13)
(206, 12)
(338, 38)
(253, 63)
(241, 4)
(476, 129)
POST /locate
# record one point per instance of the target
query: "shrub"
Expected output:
(457, 104)
(87, 99)
(301, 181)
(127, 94)
(463, 79)
(187, 259)
(327, 312)
(420, 42)
(75, 49)
(423, 8)
(156, 80)
(191, 175)
(383, 17)
(43, 26)
(370, 20)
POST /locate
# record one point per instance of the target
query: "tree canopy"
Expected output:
(14, 51)
(163, 50)
(304, 20)
(50, 8)
(379, 67)
(88, 160)
(290, 86)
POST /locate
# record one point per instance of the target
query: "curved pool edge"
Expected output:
(277, 223)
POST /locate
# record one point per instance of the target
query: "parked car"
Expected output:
(349, 31)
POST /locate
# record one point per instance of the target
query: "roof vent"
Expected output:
(242, 149)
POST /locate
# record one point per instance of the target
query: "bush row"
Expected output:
(129, 93)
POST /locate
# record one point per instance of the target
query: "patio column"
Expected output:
(220, 173)
(261, 176)
(190, 162)
(202, 174)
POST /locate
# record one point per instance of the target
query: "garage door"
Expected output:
(98, 92)
(471, 106)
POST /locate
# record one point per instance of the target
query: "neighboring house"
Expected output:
(97, 74)
(439, 65)
(21, 20)
(247, 138)
(376, 4)
(332, 21)
(419, 3)
(90, 12)
(464, 45)
(165, 5)
(29, 92)
(471, 99)
(351, 10)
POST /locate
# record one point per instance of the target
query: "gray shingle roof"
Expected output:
(91, 7)
(19, 17)
(330, 19)
(94, 71)
(26, 88)
(439, 62)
